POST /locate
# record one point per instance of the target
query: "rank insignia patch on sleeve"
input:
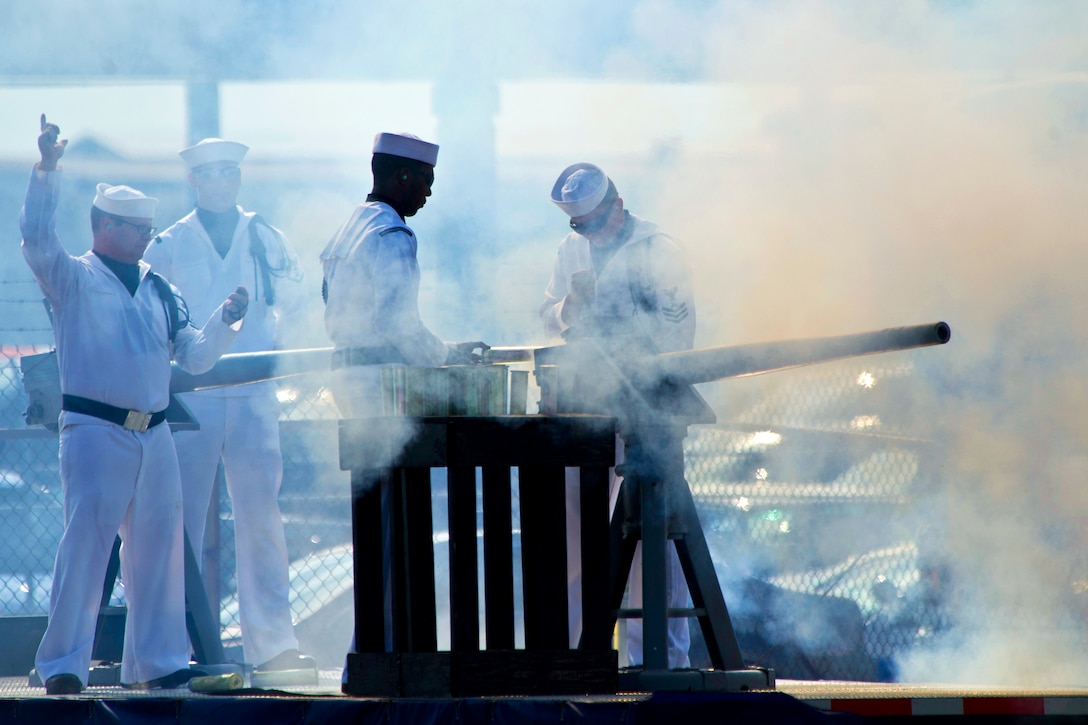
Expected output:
(672, 309)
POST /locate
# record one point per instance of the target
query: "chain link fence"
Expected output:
(31, 511)
(808, 490)
(816, 503)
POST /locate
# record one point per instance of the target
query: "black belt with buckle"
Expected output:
(350, 356)
(128, 419)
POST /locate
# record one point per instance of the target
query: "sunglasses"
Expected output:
(596, 224)
(427, 175)
(141, 229)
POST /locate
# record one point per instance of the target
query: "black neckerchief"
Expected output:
(601, 254)
(129, 274)
(385, 200)
(220, 226)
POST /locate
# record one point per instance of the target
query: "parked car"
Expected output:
(321, 601)
(807, 502)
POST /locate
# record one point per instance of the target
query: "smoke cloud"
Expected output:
(928, 166)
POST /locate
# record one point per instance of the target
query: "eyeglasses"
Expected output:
(595, 224)
(141, 229)
(427, 175)
(226, 172)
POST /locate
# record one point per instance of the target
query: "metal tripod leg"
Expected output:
(703, 585)
(104, 633)
(658, 506)
(200, 620)
(624, 537)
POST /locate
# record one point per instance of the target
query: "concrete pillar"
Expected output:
(202, 108)
(465, 104)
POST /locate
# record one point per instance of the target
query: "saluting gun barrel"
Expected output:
(251, 367)
(621, 377)
(705, 365)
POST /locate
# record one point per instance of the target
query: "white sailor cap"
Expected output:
(213, 149)
(124, 201)
(580, 189)
(407, 146)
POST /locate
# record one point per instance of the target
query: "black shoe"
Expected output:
(290, 659)
(172, 681)
(63, 684)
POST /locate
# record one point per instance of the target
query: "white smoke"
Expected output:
(927, 167)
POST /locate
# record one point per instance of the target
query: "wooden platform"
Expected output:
(396, 653)
(793, 702)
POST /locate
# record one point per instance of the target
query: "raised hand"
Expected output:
(49, 146)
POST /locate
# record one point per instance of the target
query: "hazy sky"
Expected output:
(290, 119)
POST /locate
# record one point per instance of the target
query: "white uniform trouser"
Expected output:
(244, 432)
(118, 481)
(679, 637)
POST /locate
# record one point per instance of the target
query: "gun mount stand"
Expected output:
(396, 652)
(654, 506)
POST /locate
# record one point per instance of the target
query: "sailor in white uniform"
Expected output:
(371, 292)
(371, 280)
(621, 274)
(215, 248)
(116, 330)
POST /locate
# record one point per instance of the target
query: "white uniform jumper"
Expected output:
(372, 280)
(114, 348)
(645, 287)
(239, 424)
